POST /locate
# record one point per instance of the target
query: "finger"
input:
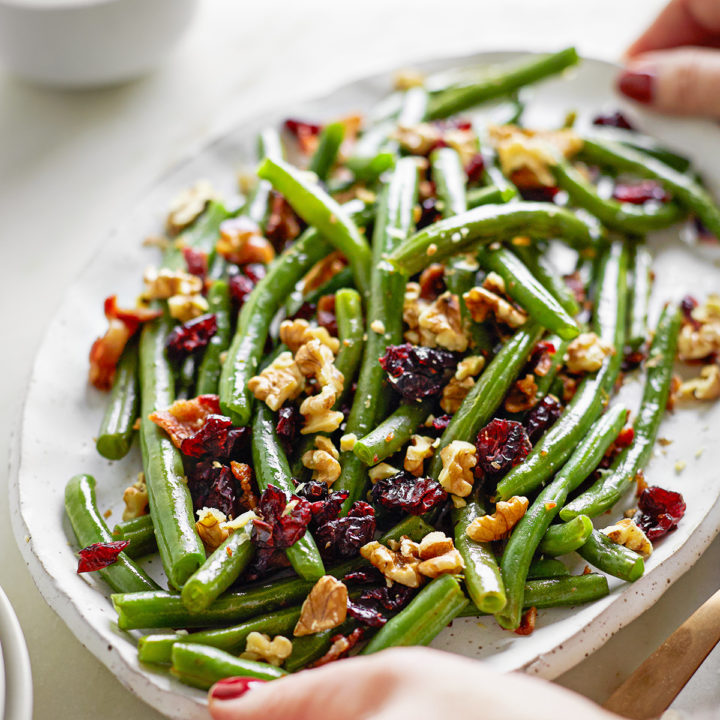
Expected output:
(350, 689)
(683, 81)
(682, 22)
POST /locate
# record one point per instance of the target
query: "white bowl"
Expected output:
(85, 43)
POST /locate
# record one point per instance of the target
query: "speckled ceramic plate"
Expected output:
(62, 412)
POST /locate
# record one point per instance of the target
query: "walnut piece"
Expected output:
(278, 382)
(522, 394)
(400, 565)
(323, 461)
(318, 413)
(454, 393)
(482, 302)
(241, 242)
(187, 307)
(188, 206)
(258, 646)
(163, 284)
(700, 334)
(295, 333)
(323, 270)
(211, 528)
(135, 498)
(420, 449)
(381, 471)
(315, 359)
(458, 459)
(347, 442)
(470, 366)
(440, 324)
(704, 387)
(417, 139)
(438, 556)
(586, 353)
(498, 525)
(626, 532)
(324, 608)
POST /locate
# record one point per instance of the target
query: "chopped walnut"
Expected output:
(378, 326)
(241, 242)
(438, 556)
(696, 343)
(186, 307)
(704, 387)
(163, 284)
(322, 271)
(626, 532)
(522, 394)
(135, 498)
(471, 366)
(440, 324)
(315, 359)
(586, 353)
(324, 608)
(318, 413)
(417, 139)
(481, 303)
(381, 471)
(454, 393)
(188, 206)
(323, 461)
(347, 442)
(494, 283)
(532, 151)
(258, 646)
(463, 141)
(280, 381)
(498, 525)
(432, 281)
(458, 459)
(211, 528)
(399, 565)
(420, 449)
(295, 333)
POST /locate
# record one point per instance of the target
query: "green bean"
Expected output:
(202, 666)
(544, 382)
(394, 222)
(491, 194)
(545, 567)
(218, 298)
(308, 648)
(373, 154)
(689, 193)
(492, 175)
(541, 268)
(351, 329)
(341, 279)
(318, 209)
(529, 532)
(450, 180)
(391, 434)
(644, 144)
(563, 538)
(483, 581)
(185, 378)
(613, 484)
(257, 314)
(269, 146)
(219, 571)
(271, 468)
(329, 143)
(140, 533)
(90, 528)
(639, 291)
(553, 448)
(621, 216)
(528, 292)
(181, 549)
(414, 106)
(201, 235)
(436, 605)
(118, 424)
(499, 81)
(487, 223)
(297, 470)
(488, 391)
(157, 648)
(612, 558)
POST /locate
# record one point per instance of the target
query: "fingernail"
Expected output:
(233, 688)
(639, 86)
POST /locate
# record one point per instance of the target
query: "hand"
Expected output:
(674, 66)
(404, 683)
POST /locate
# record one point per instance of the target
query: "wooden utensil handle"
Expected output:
(648, 692)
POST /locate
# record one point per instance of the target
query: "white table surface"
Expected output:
(71, 162)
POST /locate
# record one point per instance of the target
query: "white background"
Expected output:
(72, 162)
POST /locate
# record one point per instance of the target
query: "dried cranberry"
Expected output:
(217, 438)
(541, 193)
(313, 490)
(324, 511)
(302, 127)
(343, 537)
(417, 372)
(366, 614)
(406, 492)
(214, 485)
(100, 555)
(240, 287)
(542, 416)
(541, 358)
(196, 261)
(640, 193)
(660, 511)
(475, 167)
(616, 119)
(391, 598)
(326, 314)
(305, 312)
(255, 271)
(441, 422)
(191, 336)
(288, 425)
(429, 213)
(687, 305)
(625, 437)
(501, 444)
(365, 576)
(279, 527)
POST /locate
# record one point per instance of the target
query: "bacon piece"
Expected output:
(185, 417)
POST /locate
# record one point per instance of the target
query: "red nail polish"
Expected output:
(233, 688)
(639, 86)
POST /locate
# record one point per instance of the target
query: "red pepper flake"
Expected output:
(100, 555)
(527, 624)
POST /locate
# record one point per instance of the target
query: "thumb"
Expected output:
(682, 81)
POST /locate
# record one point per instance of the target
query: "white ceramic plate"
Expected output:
(62, 412)
(15, 675)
